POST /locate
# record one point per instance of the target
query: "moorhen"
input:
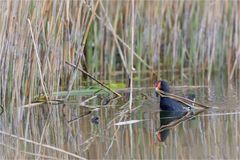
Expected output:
(170, 104)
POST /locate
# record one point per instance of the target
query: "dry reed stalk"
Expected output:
(118, 38)
(38, 61)
(73, 75)
(42, 135)
(198, 24)
(100, 83)
(28, 153)
(42, 145)
(123, 58)
(131, 66)
(235, 64)
(90, 23)
(210, 37)
(113, 48)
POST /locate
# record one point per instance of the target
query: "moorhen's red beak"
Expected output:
(159, 136)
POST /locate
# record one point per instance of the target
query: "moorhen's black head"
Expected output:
(162, 85)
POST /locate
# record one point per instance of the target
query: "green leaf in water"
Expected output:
(81, 92)
(116, 85)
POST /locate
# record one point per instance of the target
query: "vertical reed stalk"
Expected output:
(131, 75)
(38, 61)
(131, 58)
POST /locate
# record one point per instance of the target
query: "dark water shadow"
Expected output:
(170, 119)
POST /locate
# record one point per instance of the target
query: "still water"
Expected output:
(78, 131)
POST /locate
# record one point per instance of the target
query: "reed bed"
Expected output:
(199, 37)
(193, 40)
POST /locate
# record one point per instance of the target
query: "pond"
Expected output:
(101, 128)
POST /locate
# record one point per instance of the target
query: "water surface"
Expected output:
(212, 134)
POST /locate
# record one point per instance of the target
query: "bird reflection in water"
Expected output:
(170, 119)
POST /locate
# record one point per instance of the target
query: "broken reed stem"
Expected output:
(86, 73)
(50, 102)
(85, 114)
(81, 116)
(183, 100)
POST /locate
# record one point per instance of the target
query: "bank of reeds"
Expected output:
(196, 38)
